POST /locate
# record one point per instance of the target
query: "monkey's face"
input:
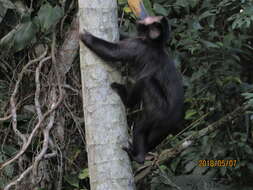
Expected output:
(152, 28)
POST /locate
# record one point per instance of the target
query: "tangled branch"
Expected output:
(187, 142)
(47, 97)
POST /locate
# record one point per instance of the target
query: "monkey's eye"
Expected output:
(142, 29)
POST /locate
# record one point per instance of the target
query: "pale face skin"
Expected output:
(150, 19)
(154, 32)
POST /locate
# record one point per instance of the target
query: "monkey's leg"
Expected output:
(156, 135)
(139, 147)
(121, 91)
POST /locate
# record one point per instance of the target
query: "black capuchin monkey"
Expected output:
(158, 84)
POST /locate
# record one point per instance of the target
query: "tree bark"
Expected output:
(104, 114)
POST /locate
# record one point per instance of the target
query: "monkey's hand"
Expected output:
(117, 87)
(129, 150)
(138, 158)
(86, 37)
(121, 91)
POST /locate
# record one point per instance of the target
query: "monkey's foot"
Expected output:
(139, 158)
(152, 157)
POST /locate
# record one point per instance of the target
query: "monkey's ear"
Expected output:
(166, 29)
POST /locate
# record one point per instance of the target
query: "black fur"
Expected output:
(158, 84)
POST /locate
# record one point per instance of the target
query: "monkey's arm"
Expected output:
(122, 51)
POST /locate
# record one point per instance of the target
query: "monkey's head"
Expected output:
(154, 28)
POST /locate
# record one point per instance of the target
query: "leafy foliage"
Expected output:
(25, 33)
(211, 44)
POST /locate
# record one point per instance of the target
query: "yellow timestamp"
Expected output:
(217, 163)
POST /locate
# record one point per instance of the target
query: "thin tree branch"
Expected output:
(188, 141)
(46, 138)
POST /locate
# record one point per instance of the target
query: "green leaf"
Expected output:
(232, 79)
(190, 166)
(7, 41)
(159, 9)
(2, 12)
(182, 3)
(127, 10)
(25, 34)
(3, 182)
(189, 114)
(196, 25)
(120, 2)
(208, 44)
(9, 170)
(223, 171)
(72, 180)
(148, 6)
(84, 174)
(250, 167)
(174, 164)
(200, 170)
(250, 102)
(248, 95)
(4, 6)
(193, 3)
(49, 16)
(206, 14)
(7, 4)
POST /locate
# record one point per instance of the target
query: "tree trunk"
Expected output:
(105, 119)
